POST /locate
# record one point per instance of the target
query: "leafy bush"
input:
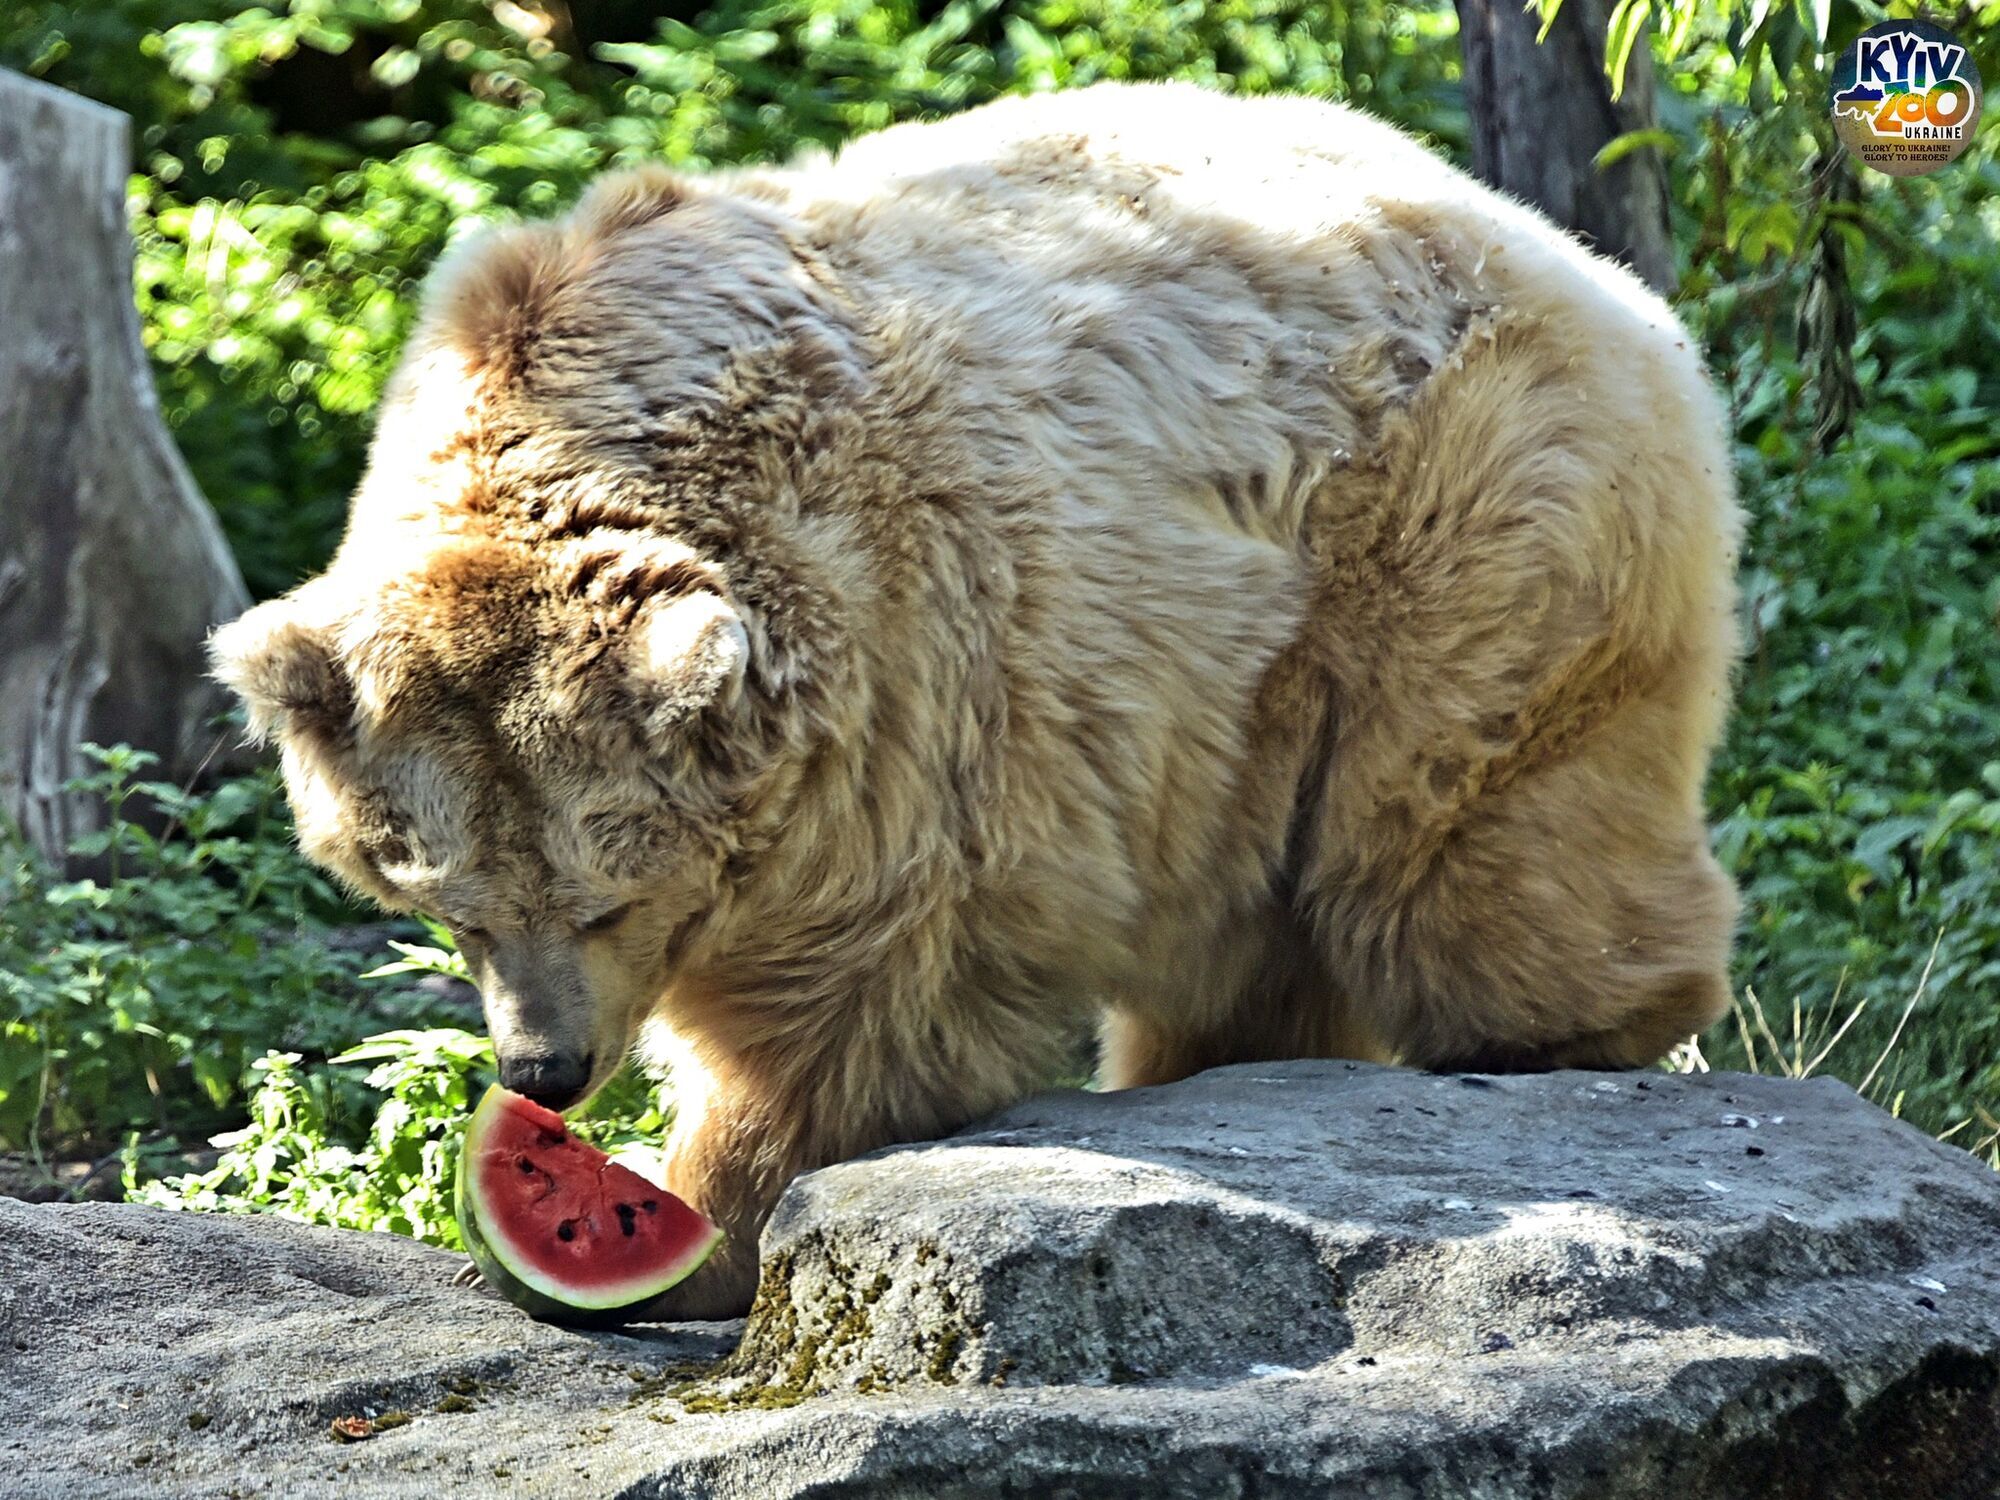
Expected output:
(135, 1001)
(296, 1158)
(291, 1158)
(1858, 794)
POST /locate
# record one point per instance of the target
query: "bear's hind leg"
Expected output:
(1677, 1013)
(1570, 916)
(1290, 1008)
(1526, 607)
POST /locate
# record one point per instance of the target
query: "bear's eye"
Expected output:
(609, 919)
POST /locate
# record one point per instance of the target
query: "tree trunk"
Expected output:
(1542, 112)
(112, 566)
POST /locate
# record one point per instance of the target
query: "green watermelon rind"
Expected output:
(533, 1291)
(505, 1282)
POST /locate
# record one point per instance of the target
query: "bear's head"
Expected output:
(546, 752)
(517, 701)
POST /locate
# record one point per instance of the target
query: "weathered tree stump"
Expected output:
(112, 566)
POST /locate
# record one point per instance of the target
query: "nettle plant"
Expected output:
(294, 1159)
(134, 1001)
(291, 1159)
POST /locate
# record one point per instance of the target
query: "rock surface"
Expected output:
(1302, 1279)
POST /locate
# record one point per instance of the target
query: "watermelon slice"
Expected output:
(563, 1231)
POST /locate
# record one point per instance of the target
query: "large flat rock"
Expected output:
(1305, 1279)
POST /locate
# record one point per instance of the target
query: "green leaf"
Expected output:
(1627, 25)
(1816, 17)
(418, 959)
(1619, 147)
(1876, 846)
(1684, 14)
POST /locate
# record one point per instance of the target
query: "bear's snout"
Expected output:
(554, 1080)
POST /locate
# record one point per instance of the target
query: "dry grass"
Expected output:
(1813, 1039)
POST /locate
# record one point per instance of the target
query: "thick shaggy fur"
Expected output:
(1200, 561)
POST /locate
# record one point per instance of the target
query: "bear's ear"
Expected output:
(284, 670)
(630, 200)
(686, 653)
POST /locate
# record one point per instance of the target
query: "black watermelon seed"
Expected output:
(525, 1165)
(566, 1230)
(651, 1205)
(628, 1218)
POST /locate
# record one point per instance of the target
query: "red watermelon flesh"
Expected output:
(565, 1220)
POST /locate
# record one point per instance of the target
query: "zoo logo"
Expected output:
(1906, 98)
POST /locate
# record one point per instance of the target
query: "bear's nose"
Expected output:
(554, 1080)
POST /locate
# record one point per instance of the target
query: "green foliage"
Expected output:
(135, 1001)
(1775, 48)
(291, 1158)
(1858, 794)
(1860, 788)
(298, 1159)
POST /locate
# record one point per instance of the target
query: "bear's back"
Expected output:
(1154, 284)
(1162, 284)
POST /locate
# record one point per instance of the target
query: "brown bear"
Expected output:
(1199, 562)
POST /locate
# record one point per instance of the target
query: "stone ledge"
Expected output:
(1301, 1279)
